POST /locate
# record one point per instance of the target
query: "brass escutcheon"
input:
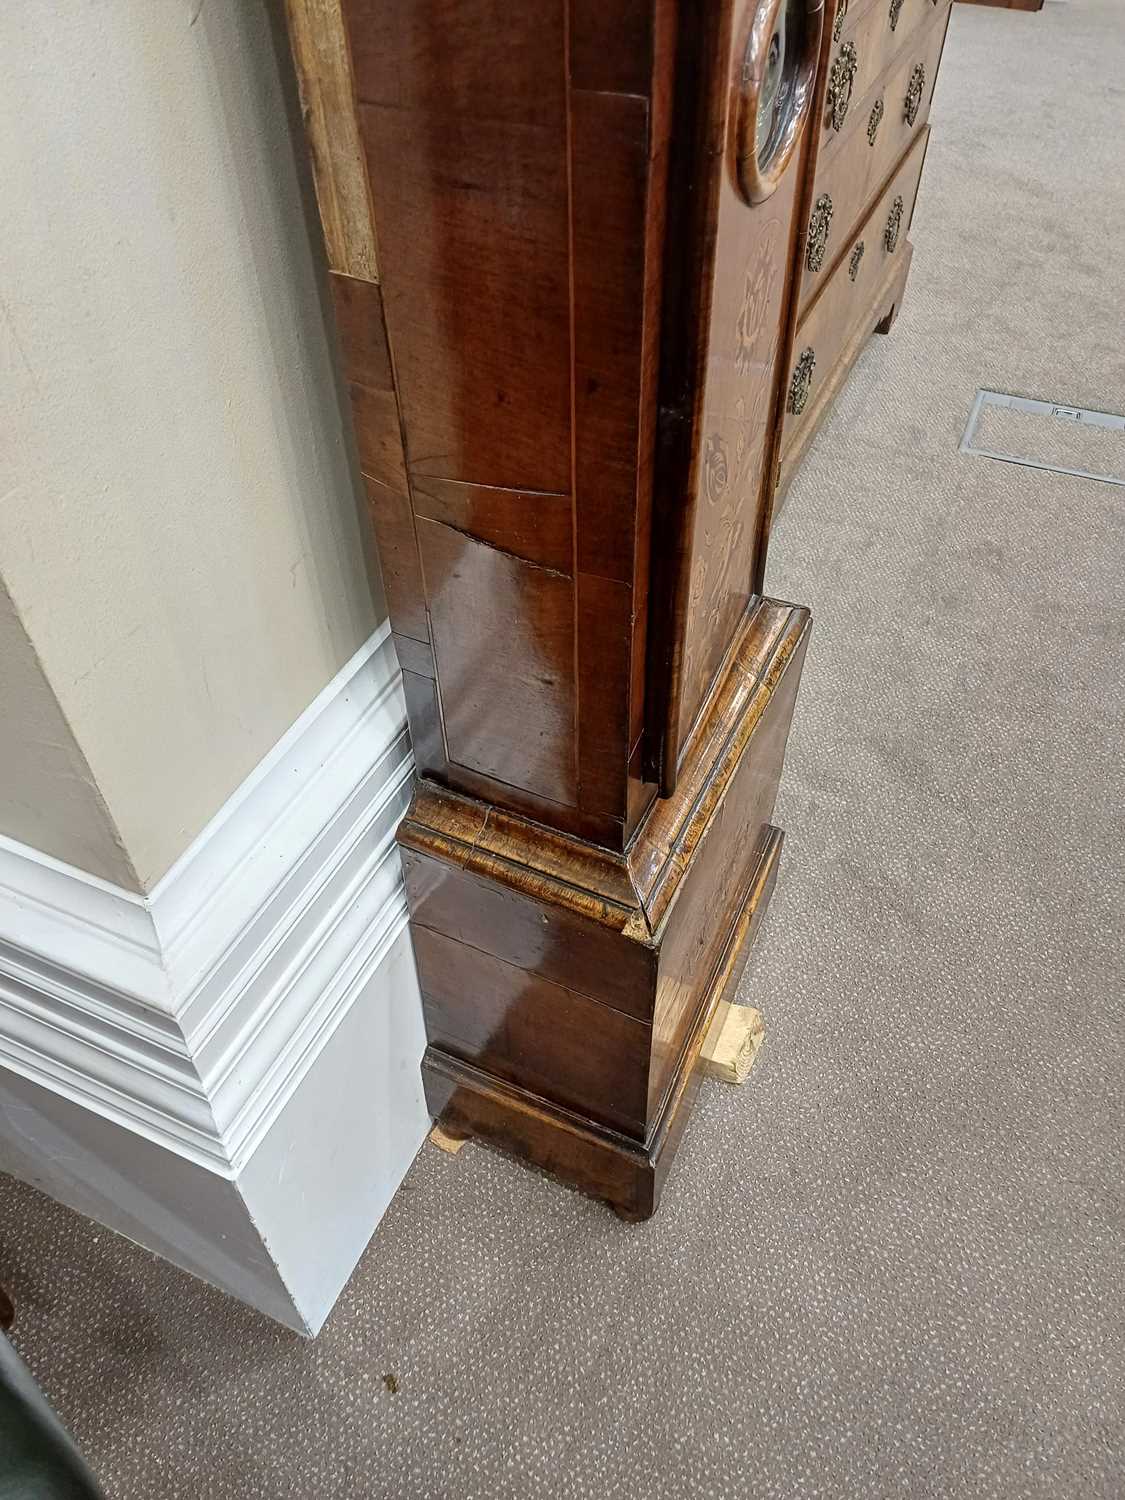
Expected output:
(841, 80)
(801, 382)
(874, 121)
(838, 24)
(894, 224)
(896, 11)
(913, 101)
(820, 221)
(853, 264)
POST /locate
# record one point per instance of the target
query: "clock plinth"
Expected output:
(568, 989)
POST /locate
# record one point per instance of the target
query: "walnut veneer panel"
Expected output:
(752, 259)
(713, 894)
(551, 1040)
(566, 372)
(509, 713)
(585, 980)
(375, 419)
(744, 278)
(526, 523)
(517, 173)
(482, 357)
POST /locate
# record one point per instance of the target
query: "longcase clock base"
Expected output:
(569, 989)
(604, 1164)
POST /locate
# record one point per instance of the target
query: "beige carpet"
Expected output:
(891, 1265)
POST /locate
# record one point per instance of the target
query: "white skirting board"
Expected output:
(227, 1070)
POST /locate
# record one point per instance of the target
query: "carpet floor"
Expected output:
(892, 1263)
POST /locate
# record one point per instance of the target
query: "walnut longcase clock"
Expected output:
(559, 237)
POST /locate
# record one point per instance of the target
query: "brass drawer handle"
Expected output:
(841, 13)
(896, 11)
(820, 221)
(800, 384)
(913, 101)
(841, 81)
(853, 264)
(874, 121)
(894, 225)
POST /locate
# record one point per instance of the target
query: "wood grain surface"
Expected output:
(568, 367)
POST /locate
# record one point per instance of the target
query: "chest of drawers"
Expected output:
(879, 65)
(569, 262)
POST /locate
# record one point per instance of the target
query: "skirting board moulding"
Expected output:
(191, 1016)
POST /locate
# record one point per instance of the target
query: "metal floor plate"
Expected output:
(1047, 435)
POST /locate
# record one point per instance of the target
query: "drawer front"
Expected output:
(845, 16)
(852, 292)
(847, 177)
(869, 44)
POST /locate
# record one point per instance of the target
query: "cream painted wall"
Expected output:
(47, 796)
(178, 527)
